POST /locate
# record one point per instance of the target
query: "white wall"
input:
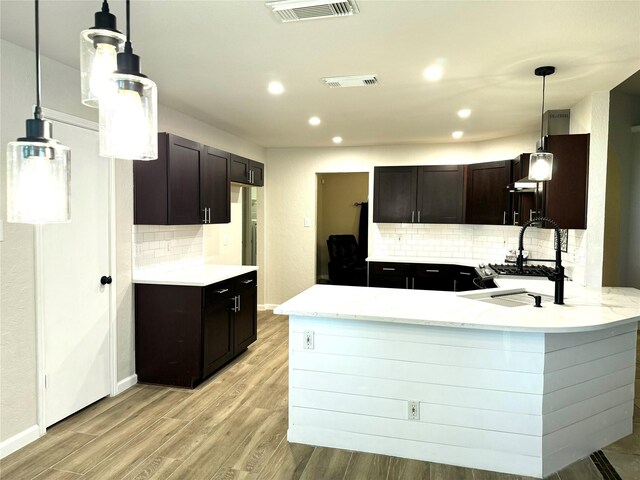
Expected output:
(61, 92)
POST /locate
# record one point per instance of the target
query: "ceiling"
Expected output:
(213, 60)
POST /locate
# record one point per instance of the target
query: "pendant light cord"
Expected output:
(127, 45)
(544, 78)
(37, 113)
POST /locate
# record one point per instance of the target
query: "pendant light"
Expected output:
(38, 167)
(128, 109)
(99, 46)
(541, 162)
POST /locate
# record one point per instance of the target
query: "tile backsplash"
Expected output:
(161, 245)
(484, 243)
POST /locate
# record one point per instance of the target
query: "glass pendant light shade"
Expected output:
(98, 53)
(129, 118)
(38, 182)
(540, 166)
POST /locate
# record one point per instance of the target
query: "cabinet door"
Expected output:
(150, 187)
(215, 190)
(440, 195)
(566, 192)
(256, 173)
(239, 169)
(487, 197)
(394, 194)
(217, 322)
(463, 278)
(389, 275)
(184, 182)
(433, 277)
(245, 330)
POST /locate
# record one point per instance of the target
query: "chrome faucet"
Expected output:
(558, 274)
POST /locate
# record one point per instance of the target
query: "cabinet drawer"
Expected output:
(218, 292)
(248, 280)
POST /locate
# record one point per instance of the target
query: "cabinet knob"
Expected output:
(104, 280)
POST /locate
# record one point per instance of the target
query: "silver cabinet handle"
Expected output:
(413, 282)
(418, 216)
(238, 303)
(465, 273)
(246, 281)
(412, 214)
(516, 216)
(432, 271)
(531, 214)
(455, 286)
(504, 217)
(235, 303)
(204, 212)
(387, 269)
(222, 290)
(406, 282)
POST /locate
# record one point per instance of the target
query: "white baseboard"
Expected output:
(19, 440)
(267, 306)
(126, 383)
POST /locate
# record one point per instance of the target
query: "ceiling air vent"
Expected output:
(351, 81)
(297, 10)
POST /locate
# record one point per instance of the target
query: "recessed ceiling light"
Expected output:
(337, 139)
(464, 113)
(314, 121)
(433, 73)
(275, 88)
(457, 134)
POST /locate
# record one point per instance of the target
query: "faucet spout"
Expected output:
(558, 275)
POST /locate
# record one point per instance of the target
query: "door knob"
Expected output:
(104, 280)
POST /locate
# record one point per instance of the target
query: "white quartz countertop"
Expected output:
(197, 276)
(585, 308)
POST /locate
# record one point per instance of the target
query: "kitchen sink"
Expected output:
(516, 298)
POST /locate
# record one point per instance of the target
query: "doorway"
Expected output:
(76, 335)
(341, 198)
(249, 225)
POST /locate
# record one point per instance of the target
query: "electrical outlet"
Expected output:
(308, 340)
(413, 410)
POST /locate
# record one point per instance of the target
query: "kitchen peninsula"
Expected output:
(459, 378)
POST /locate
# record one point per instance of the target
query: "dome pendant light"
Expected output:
(99, 46)
(38, 167)
(128, 110)
(541, 162)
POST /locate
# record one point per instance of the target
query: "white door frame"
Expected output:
(39, 287)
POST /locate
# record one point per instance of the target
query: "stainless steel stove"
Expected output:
(527, 270)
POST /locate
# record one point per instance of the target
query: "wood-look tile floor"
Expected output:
(234, 427)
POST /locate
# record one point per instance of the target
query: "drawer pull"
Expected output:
(222, 290)
(247, 281)
(386, 269)
(432, 271)
(465, 273)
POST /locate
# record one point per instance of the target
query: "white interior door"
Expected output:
(74, 304)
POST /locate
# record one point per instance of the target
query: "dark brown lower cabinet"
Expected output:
(184, 334)
(424, 276)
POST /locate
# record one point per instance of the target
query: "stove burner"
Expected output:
(527, 270)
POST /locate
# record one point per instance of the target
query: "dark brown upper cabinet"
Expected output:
(187, 185)
(425, 194)
(487, 199)
(248, 172)
(565, 195)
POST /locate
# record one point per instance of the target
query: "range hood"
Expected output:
(523, 185)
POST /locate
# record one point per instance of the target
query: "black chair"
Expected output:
(346, 267)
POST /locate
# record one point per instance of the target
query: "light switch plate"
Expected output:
(307, 222)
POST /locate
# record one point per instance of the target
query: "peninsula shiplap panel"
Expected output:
(567, 396)
(423, 353)
(587, 352)
(461, 337)
(417, 431)
(579, 411)
(418, 372)
(479, 457)
(583, 372)
(435, 394)
(429, 412)
(558, 341)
